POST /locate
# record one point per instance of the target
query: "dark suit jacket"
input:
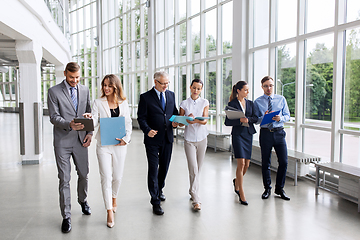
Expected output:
(249, 113)
(152, 116)
(62, 111)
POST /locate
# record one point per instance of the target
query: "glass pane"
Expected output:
(226, 80)
(286, 74)
(170, 13)
(352, 81)
(316, 21)
(317, 143)
(170, 39)
(195, 71)
(286, 19)
(195, 7)
(350, 153)
(319, 78)
(128, 27)
(182, 42)
(210, 84)
(195, 38)
(160, 49)
(352, 10)
(261, 23)
(137, 53)
(146, 21)
(159, 15)
(260, 70)
(182, 83)
(209, 3)
(137, 23)
(181, 8)
(210, 33)
(227, 27)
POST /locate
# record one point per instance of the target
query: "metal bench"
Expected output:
(339, 169)
(294, 159)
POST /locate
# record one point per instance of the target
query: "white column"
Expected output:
(29, 54)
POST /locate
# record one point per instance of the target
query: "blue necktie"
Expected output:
(74, 97)
(162, 101)
(270, 126)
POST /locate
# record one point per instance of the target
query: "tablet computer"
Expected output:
(88, 124)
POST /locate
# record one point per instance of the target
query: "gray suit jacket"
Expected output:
(62, 111)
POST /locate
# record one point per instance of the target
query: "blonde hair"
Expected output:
(116, 84)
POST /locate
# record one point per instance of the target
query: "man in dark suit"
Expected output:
(66, 101)
(155, 108)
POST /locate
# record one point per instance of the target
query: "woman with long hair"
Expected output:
(242, 134)
(111, 158)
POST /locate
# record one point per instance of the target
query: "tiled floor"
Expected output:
(29, 206)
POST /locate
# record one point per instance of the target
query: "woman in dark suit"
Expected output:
(242, 136)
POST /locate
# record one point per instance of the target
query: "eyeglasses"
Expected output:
(163, 84)
(268, 86)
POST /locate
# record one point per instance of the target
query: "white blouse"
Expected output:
(195, 132)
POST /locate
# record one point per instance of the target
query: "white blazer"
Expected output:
(101, 109)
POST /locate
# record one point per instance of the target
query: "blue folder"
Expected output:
(268, 117)
(110, 129)
(182, 119)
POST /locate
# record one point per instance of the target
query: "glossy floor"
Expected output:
(30, 210)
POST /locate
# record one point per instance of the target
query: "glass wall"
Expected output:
(8, 88)
(201, 49)
(316, 67)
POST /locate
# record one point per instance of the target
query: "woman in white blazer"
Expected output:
(111, 157)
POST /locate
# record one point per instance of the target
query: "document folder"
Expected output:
(110, 129)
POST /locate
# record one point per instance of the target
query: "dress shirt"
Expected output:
(68, 88)
(158, 94)
(195, 132)
(278, 103)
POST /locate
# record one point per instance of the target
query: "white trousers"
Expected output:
(195, 154)
(111, 167)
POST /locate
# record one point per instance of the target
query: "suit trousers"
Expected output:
(80, 158)
(158, 157)
(268, 140)
(111, 167)
(195, 154)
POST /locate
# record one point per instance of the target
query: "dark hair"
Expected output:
(266, 78)
(114, 82)
(239, 85)
(197, 81)
(72, 67)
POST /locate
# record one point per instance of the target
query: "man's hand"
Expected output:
(87, 140)
(121, 143)
(175, 124)
(152, 133)
(276, 118)
(76, 126)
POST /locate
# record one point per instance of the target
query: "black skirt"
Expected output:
(242, 145)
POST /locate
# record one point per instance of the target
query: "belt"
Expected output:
(273, 129)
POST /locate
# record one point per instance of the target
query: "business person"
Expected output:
(242, 136)
(66, 101)
(195, 137)
(111, 158)
(155, 108)
(272, 135)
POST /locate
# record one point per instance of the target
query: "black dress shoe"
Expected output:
(237, 192)
(282, 194)
(85, 208)
(266, 194)
(162, 197)
(158, 210)
(66, 225)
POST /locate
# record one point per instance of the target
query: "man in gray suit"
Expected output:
(66, 101)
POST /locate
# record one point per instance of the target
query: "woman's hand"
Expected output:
(87, 115)
(121, 143)
(244, 120)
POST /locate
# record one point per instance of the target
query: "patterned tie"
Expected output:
(270, 126)
(162, 101)
(74, 97)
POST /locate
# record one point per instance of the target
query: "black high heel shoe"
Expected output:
(237, 192)
(243, 202)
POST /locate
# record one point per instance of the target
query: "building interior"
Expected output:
(313, 58)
